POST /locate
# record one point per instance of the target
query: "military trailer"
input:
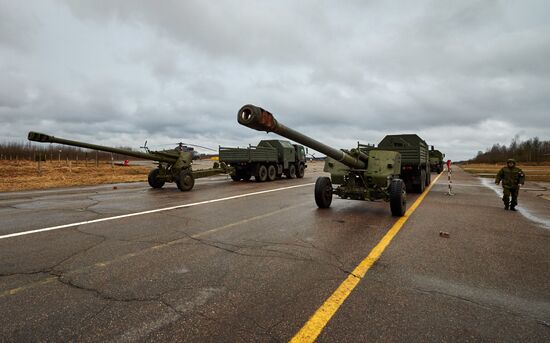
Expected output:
(269, 160)
(415, 164)
(362, 173)
(436, 160)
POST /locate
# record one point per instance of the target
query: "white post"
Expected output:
(449, 173)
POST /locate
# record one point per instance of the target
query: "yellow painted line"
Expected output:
(316, 323)
(27, 286)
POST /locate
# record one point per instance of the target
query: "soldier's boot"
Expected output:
(506, 206)
(513, 208)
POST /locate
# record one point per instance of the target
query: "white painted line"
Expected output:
(151, 211)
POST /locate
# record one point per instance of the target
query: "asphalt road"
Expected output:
(250, 262)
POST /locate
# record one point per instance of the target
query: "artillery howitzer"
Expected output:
(363, 173)
(173, 165)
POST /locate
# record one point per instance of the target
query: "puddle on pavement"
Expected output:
(530, 215)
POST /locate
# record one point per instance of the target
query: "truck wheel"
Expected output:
(185, 181)
(301, 171)
(271, 172)
(291, 172)
(323, 192)
(398, 198)
(428, 178)
(261, 173)
(419, 188)
(154, 180)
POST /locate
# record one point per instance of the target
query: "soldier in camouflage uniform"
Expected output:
(512, 177)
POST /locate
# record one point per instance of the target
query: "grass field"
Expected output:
(24, 175)
(532, 172)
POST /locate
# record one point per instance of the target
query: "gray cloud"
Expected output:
(463, 74)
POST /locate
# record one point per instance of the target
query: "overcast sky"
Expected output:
(461, 74)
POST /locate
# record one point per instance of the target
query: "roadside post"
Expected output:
(449, 173)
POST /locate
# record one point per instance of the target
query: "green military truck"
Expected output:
(436, 160)
(415, 163)
(269, 160)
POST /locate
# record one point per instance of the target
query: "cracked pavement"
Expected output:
(254, 269)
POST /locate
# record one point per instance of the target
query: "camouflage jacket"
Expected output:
(510, 177)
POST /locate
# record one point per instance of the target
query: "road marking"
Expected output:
(27, 286)
(316, 323)
(58, 227)
(104, 264)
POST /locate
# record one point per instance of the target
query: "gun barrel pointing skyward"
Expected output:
(259, 119)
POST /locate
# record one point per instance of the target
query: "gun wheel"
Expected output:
(185, 181)
(154, 180)
(323, 192)
(398, 198)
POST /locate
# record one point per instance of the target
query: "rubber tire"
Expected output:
(323, 192)
(185, 181)
(261, 173)
(271, 173)
(398, 198)
(153, 179)
(419, 188)
(291, 172)
(428, 178)
(301, 171)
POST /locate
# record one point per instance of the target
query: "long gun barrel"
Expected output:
(44, 138)
(259, 119)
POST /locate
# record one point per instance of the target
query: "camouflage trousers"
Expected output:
(510, 191)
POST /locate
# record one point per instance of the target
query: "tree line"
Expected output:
(530, 150)
(54, 152)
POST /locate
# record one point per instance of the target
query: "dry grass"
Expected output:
(532, 172)
(24, 175)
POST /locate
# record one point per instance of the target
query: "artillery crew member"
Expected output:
(512, 177)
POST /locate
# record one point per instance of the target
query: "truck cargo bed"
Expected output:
(250, 154)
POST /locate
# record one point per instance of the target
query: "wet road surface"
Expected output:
(252, 262)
